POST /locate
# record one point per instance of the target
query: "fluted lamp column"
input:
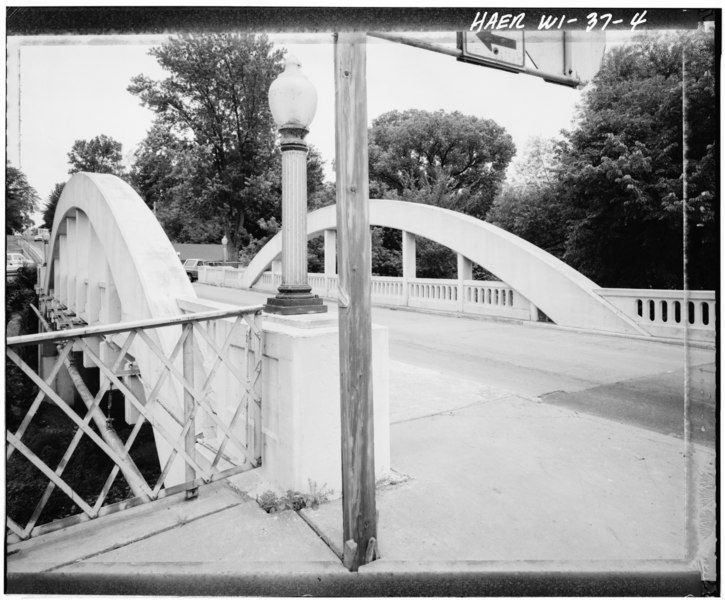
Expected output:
(293, 102)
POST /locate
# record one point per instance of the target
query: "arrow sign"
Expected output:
(504, 48)
(489, 39)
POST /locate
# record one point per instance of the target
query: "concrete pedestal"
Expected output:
(301, 402)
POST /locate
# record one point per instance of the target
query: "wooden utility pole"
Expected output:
(359, 520)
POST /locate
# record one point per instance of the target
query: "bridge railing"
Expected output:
(664, 313)
(30, 250)
(660, 312)
(64, 414)
(493, 298)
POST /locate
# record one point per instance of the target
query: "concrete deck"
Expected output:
(494, 493)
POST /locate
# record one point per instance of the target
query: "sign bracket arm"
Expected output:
(460, 55)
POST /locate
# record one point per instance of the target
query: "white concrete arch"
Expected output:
(565, 295)
(109, 260)
(102, 228)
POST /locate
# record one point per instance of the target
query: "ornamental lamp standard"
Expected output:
(293, 102)
(225, 241)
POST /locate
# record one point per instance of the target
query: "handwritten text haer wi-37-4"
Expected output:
(510, 21)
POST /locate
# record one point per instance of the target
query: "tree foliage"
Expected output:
(611, 203)
(450, 160)
(447, 159)
(21, 200)
(211, 154)
(622, 166)
(528, 204)
(102, 154)
(51, 204)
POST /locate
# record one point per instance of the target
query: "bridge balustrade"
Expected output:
(231, 277)
(215, 351)
(662, 312)
(659, 312)
(387, 290)
(493, 298)
(271, 280)
(432, 293)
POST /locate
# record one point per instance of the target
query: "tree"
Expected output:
(529, 204)
(159, 163)
(165, 173)
(20, 200)
(448, 159)
(214, 105)
(102, 154)
(608, 199)
(51, 204)
(622, 165)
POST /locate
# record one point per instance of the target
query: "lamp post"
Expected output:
(225, 241)
(293, 102)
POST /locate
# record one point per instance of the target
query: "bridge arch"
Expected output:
(109, 261)
(103, 235)
(565, 295)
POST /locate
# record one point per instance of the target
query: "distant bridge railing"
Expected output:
(30, 250)
(493, 298)
(658, 312)
(211, 430)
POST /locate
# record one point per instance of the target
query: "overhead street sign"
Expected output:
(503, 47)
(569, 58)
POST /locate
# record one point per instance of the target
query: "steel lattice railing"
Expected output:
(173, 401)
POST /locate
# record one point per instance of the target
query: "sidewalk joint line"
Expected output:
(145, 537)
(325, 539)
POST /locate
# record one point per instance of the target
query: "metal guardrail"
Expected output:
(234, 447)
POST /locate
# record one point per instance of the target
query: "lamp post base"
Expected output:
(295, 304)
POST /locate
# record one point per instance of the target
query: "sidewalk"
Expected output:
(492, 476)
(485, 481)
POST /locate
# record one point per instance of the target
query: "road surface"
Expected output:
(632, 381)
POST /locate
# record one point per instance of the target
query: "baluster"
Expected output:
(658, 311)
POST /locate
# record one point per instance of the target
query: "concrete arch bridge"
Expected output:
(126, 341)
(127, 345)
(532, 280)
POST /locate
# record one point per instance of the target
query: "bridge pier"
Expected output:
(61, 269)
(408, 258)
(96, 269)
(465, 273)
(82, 247)
(71, 262)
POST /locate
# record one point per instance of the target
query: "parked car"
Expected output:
(14, 261)
(191, 266)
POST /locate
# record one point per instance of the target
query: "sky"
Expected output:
(65, 89)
